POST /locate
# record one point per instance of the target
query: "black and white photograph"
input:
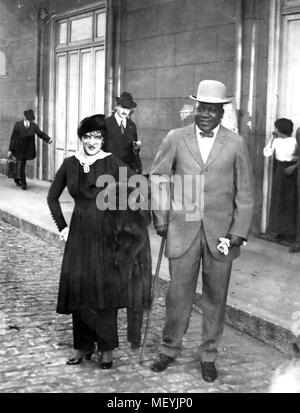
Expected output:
(149, 199)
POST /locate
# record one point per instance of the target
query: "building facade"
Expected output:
(69, 59)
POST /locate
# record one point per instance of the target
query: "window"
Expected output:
(76, 30)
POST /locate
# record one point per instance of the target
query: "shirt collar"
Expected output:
(215, 131)
(119, 119)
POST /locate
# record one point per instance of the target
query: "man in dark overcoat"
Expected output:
(122, 141)
(22, 144)
(206, 222)
(122, 138)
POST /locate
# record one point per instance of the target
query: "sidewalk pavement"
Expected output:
(264, 293)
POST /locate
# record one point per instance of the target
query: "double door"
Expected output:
(79, 93)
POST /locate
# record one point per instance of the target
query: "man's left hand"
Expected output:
(235, 240)
(50, 141)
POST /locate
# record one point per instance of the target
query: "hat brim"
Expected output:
(207, 99)
(125, 105)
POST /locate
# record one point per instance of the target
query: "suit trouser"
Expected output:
(184, 272)
(90, 326)
(21, 172)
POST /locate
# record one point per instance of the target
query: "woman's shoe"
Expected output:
(106, 366)
(78, 359)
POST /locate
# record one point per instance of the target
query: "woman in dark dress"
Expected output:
(95, 271)
(283, 208)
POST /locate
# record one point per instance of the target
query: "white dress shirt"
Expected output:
(119, 120)
(26, 123)
(205, 144)
(284, 149)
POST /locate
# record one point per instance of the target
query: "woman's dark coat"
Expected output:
(101, 246)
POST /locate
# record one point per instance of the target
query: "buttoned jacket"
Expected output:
(218, 193)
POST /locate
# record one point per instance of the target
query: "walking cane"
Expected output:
(161, 249)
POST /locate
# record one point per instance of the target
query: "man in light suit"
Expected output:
(213, 164)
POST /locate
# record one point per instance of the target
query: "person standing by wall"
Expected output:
(296, 246)
(22, 144)
(218, 209)
(283, 207)
(123, 142)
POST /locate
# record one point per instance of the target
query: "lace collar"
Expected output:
(86, 160)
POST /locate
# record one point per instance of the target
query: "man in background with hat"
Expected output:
(121, 137)
(122, 141)
(22, 144)
(208, 227)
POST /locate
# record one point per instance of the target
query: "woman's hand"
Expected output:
(64, 234)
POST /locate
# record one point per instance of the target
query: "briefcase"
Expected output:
(11, 170)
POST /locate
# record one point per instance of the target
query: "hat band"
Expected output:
(209, 99)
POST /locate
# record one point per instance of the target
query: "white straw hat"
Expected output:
(211, 91)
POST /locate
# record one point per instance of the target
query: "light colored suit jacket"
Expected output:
(218, 192)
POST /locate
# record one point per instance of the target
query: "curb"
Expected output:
(263, 330)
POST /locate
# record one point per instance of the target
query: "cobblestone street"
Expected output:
(35, 341)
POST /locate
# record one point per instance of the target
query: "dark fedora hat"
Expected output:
(91, 124)
(126, 100)
(29, 114)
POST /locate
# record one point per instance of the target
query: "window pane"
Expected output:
(81, 29)
(73, 89)
(99, 80)
(62, 33)
(61, 84)
(86, 84)
(101, 23)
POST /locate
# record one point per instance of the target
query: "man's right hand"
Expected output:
(9, 154)
(161, 230)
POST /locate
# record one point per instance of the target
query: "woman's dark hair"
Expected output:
(90, 124)
(284, 126)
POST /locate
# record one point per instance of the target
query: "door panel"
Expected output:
(79, 93)
(73, 93)
(86, 91)
(61, 104)
(99, 80)
(290, 79)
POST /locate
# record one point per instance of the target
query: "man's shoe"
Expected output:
(209, 371)
(162, 363)
(24, 187)
(295, 248)
(17, 181)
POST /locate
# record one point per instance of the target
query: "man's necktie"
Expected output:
(122, 127)
(206, 135)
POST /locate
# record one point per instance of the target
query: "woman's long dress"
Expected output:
(89, 275)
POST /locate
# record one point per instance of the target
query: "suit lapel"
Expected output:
(191, 142)
(218, 146)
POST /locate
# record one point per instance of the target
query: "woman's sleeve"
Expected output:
(58, 185)
(269, 149)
